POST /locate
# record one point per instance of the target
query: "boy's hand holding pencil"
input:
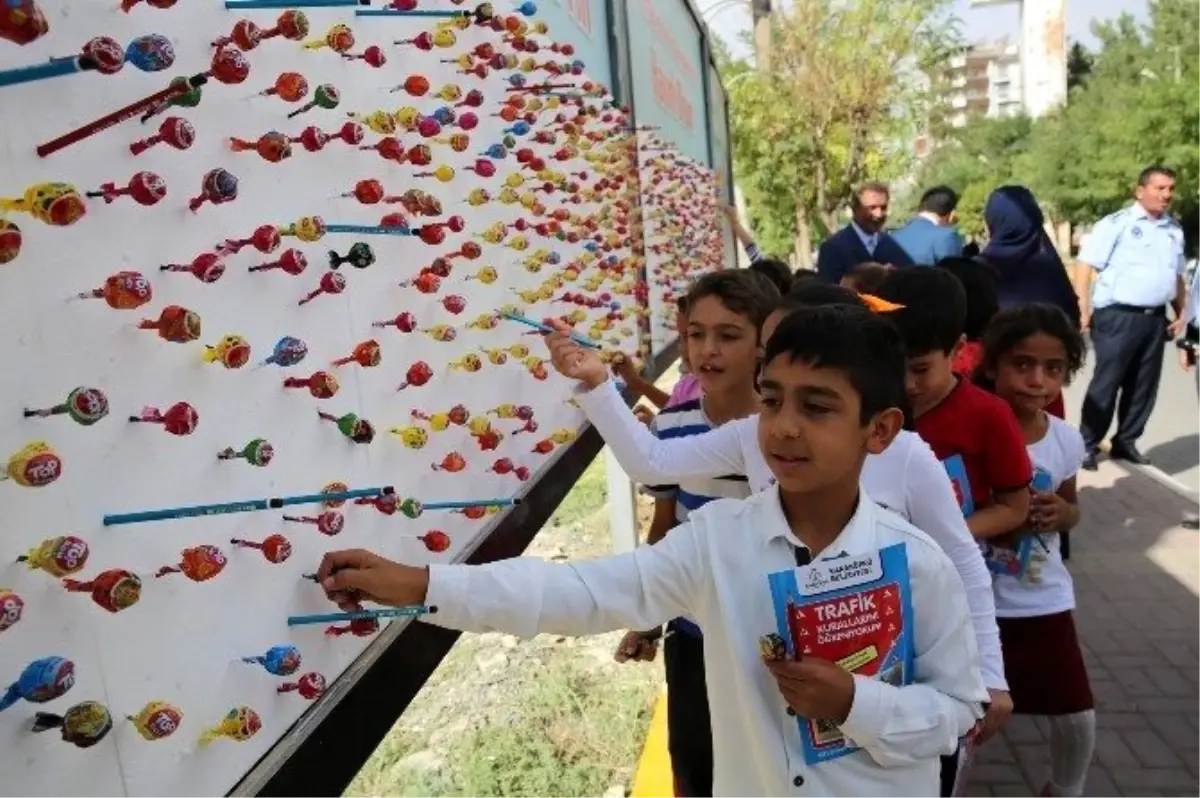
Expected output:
(349, 577)
(572, 360)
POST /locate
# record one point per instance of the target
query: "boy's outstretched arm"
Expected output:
(526, 596)
(644, 457)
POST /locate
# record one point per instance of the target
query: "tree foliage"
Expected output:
(845, 92)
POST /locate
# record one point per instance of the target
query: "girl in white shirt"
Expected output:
(1030, 353)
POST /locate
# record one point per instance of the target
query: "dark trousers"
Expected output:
(949, 771)
(689, 729)
(1127, 352)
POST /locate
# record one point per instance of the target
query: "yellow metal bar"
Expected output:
(653, 778)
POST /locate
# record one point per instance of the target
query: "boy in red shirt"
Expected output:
(973, 432)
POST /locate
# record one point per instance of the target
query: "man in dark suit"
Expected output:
(863, 239)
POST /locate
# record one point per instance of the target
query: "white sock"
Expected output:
(1072, 741)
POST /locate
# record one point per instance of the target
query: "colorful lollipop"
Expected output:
(22, 21)
(218, 187)
(358, 430)
(36, 465)
(258, 452)
(360, 256)
(10, 241)
(283, 660)
(57, 204)
(189, 98)
(150, 53)
(292, 262)
(265, 239)
(310, 686)
(11, 608)
(373, 55)
(339, 38)
(176, 324)
(179, 419)
(291, 24)
(239, 724)
(417, 375)
(272, 147)
(157, 720)
(290, 87)
(232, 352)
(321, 384)
(333, 488)
(206, 267)
(331, 283)
(288, 352)
(359, 627)
(42, 680)
(198, 563)
(276, 548)
(245, 35)
(404, 322)
(82, 725)
(85, 406)
(329, 523)
(229, 66)
(146, 188)
(435, 540)
(58, 556)
(307, 228)
(326, 96)
(122, 291)
(114, 590)
(365, 354)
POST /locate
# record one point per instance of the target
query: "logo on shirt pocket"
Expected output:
(956, 469)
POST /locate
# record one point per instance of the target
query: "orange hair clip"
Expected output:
(878, 305)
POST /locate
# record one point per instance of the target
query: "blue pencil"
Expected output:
(464, 505)
(411, 611)
(368, 229)
(241, 5)
(392, 12)
(54, 68)
(537, 325)
(246, 506)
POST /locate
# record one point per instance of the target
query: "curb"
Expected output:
(1162, 478)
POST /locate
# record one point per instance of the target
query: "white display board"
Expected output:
(183, 642)
(683, 234)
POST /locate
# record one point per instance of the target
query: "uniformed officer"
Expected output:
(1137, 253)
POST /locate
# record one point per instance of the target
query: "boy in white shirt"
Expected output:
(832, 386)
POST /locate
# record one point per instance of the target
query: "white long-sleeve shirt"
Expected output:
(906, 478)
(702, 571)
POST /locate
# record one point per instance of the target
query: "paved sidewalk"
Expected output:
(1137, 578)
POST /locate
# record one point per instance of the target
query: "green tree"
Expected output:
(1079, 65)
(846, 89)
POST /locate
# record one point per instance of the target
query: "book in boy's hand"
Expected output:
(855, 611)
(1011, 555)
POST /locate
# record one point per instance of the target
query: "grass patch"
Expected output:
(588, 496)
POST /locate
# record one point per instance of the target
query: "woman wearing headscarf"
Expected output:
(1027, 266)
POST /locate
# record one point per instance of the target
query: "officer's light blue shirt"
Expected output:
(1139, 259)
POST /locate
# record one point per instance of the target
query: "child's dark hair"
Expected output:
(979, 282)
(1012, 325)
(813, 293)
(934, 312)
(681, 304)
(774, 270)
(802, 276)
(741, 291)
(867, 276)
(852, 339)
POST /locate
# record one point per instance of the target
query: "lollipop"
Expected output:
(82, 725)
(150, 53)
(157, 720)
(452, 463)
(326, 96)
(229, 66)
(85, 406)
(435, 540)
(443, 173)
(415, 85)
(331, 283)
(292, 24)
(412, 508)
(190, 98)
(34, 466)
(310, 686)
(198, 563)
(58, 556)
(312, 138)
(389, 148)
(114, 590)
(411, 437)
(290, 87)
(122, 291)
(373, 55)
(288, 352)
(11, 608)
(283, 660)
(22, 21)
(292, 262)
(57, 204)
(232, 352)
(205, 267)
(358, 430)
(240, 724)
(276, 548)
(365, 354)
(360, 256)
(272, 147)
(339, 38)
(179, 419)
(10, 241)
(146, 188)
(321, 384)
(258, 452)
(404, 322)
(332, 488)
(218, 187)
(42, 680)
(176, 324)
(245, 35)
(265, 239)
(359, 627)
(417, 375)
(329, 523)
(307, 228)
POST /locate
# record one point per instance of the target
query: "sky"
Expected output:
(987, 23)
